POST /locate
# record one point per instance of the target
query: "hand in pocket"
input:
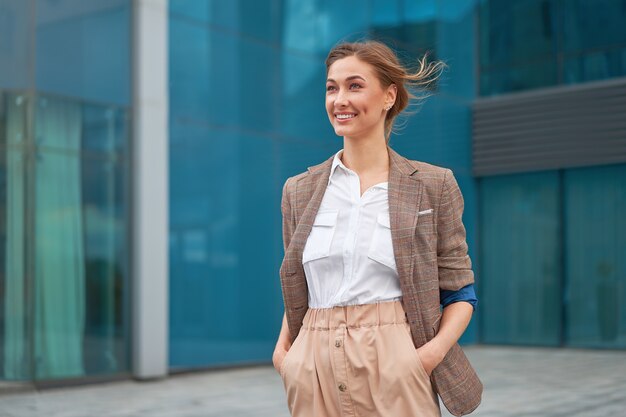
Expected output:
(278, 358)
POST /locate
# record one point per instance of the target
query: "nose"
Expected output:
(341, 99)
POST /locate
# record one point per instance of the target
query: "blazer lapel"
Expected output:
(405, 194)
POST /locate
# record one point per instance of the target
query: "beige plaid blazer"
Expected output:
(430, 250)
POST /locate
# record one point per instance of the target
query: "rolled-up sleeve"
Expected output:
(466, 293)
(453, 262)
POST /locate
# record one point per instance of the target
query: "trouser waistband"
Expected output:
(374, 314)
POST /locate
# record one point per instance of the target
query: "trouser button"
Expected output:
(342, 387)
(338, 343)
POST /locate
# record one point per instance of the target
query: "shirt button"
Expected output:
(342, 387)
(338, 343)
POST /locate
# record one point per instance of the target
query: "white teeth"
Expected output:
(345, 116)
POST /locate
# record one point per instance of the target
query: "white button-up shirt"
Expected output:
(348, 257)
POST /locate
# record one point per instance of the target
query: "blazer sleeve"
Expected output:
(453, 262)
(288, 217)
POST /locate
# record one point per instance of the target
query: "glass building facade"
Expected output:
(247, 85)
(246, 110)
(64, 195)
(527, 44)
(552, 266)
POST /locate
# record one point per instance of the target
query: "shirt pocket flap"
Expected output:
(326, 218)
(383, 220)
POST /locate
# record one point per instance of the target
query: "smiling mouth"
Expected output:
(345, 116)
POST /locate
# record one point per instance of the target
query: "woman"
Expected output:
(374, 245)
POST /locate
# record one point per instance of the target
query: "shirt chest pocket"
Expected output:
(381, 246)
(321, 236)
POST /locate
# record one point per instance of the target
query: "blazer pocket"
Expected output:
(435, 325)
(426, 224)
(321, 237)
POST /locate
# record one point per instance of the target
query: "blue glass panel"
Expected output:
(585, 39)
(593, 24)
(419, 30)
(420, 11)
(16, 44)
(190, 72)
(521, 268)
(303, 113)
(208, 85)
(386, 21)
(518, 44)
(258, 19)
(258, 94)
(341, 21)
(196, 10)
(485, 46)
(213, 256)
(518, 78)
(385, 13)
(204, 259)
(84, 52)
(300, 26)
(518, 31)
(595, 243)
(296, 157)
(595, 66)
(189, 198)
(455, 45)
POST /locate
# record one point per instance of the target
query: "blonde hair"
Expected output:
(390, 71)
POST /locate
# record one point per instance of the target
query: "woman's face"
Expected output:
(355, 99)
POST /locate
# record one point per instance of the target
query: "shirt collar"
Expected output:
(337, 162)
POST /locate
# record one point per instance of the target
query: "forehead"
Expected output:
(348, 66)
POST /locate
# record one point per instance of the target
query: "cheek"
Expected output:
(329, 105)
(365, 104)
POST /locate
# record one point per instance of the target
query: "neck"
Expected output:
(366, 155)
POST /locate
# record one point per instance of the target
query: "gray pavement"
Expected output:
(518, 382)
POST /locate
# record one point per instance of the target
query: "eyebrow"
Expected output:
(352, 77)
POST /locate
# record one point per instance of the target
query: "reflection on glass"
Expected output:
(521, 293)
(595, 247)
(571, 40)
(104, 215)
(15, 361)
(16, 40)
(83, 49)
(65, 197)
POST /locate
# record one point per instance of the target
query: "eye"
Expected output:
(355, 85)
(330, 88)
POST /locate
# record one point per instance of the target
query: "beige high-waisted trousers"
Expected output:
(354, 361)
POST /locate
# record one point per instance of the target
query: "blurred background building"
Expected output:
(530, 116)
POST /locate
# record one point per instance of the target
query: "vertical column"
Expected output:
(150, 190)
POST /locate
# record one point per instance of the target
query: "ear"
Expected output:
(390, 94)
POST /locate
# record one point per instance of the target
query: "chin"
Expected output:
(343, 130)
